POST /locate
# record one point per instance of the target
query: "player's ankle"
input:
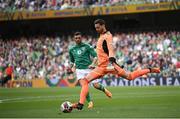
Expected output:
(80, 106)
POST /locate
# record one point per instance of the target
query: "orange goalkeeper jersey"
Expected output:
(104, 49)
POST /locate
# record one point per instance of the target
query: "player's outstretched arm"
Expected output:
(94, 63)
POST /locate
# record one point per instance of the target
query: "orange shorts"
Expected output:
(99, 72)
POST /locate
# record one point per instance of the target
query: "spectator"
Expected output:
(38, 57)
(34, 5)
(7, 75)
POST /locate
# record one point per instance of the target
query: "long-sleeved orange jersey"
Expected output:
(104, 49)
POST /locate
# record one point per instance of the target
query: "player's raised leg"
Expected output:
(133, 75)
(102, 88)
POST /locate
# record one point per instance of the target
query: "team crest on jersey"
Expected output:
(79, 52)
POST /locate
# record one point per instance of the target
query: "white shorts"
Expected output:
(81, 73)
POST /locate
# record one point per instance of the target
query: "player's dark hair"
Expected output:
(77, 33)
(100, 21)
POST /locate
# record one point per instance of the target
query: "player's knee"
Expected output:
(83, 82)
(130, 77)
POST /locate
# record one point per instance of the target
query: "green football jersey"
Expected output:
(81, 55)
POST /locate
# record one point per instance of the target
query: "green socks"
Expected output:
(100, 87)
(88, 97)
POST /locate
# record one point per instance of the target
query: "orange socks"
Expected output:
(137, 73)
(131, 75)
(84, 91)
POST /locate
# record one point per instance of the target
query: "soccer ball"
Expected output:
(66, 107)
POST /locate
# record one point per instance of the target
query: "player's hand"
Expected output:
(91, 67)
(73, 69)
(112, 60)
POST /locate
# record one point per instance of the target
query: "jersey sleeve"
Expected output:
(109, 41)
(71, 57)
(92, 51)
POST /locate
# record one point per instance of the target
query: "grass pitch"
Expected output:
(127, 102)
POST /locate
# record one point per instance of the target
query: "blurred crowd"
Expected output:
(37, 5)
(42, 56)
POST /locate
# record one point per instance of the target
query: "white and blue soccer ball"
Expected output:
(66, 107)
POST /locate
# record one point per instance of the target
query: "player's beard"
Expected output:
(100, 31)
(78, 41)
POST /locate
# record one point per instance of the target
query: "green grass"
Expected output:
(127, 102)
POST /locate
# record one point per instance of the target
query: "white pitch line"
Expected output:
(65, 97)
(27, 99)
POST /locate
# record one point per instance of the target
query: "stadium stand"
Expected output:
(38, 5)
(41, 56)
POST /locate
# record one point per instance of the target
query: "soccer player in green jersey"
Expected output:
(81, 58)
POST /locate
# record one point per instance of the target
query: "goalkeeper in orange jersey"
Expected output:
(106, 57)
